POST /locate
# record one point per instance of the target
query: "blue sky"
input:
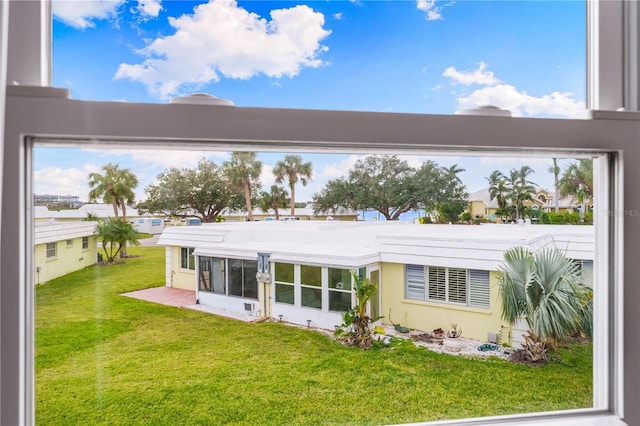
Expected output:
(422, 56)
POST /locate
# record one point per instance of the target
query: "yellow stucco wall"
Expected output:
(427, 316)
(477, 209)
(181, 278)
(68, 259)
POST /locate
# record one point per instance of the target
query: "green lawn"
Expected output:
(106, 359)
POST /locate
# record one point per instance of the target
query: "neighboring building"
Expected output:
(429, 276)
(72, 200)
(304, 213)
(149, 225)
(481, 206)
(61, 248)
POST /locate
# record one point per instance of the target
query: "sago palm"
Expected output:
(547, 290)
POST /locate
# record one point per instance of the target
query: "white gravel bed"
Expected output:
(457, 346)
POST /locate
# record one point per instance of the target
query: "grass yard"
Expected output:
(106, 359)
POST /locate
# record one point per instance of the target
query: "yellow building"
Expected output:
(428, 276)
(61, 248)
(481, 206)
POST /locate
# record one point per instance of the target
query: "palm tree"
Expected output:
(577, 181)
(275, 199)
(555, 169)
(244, 170)
(498, 188)
(116, 233)
(522, 189)
(293, 169)
(546, 289)
(114, 187)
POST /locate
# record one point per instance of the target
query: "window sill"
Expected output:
(606, 419)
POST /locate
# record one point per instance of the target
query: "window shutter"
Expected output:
(458, 285)
(479, 288)
(415, 282)
(437, 283)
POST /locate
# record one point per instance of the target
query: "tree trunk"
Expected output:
(247, 198)
(293, 201)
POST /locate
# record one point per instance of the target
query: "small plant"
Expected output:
(455, 332)
(356, 327)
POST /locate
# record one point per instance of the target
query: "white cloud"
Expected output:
(339, 169)
(432, 11)
(520, 103)
(163, 158)
(149, 8)
(478, 76)
(337, 16)
(506, 96)
(56, 180)
(81, 13)
(266, 177)
(222, 39)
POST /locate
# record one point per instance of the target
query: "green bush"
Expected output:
(562, 218)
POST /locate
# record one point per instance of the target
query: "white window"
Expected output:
(451, 285)
(284, 282)
(51, 249)
(231, 277)
(69, 243)
(187, 261)
(85, 243)
(312, 281)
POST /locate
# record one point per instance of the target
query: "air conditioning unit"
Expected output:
(249, 307)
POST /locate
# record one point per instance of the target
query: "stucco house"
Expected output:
(62, 247)
(429, 276)
(481, 206)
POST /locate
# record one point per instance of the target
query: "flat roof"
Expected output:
(354, 244)
(45, 232)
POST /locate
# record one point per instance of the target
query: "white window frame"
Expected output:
(85, 243)
(427, 284)
(52, 247)
(190, 256)
(613, 83)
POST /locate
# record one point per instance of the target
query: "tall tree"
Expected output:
(203, 192)
(391, 186)
(498, 188)
(244, 170)
(381, 182)
(293, 170)
(115, 186)
(577, 181)
(275, 199)
(522, 189)
(555, 169)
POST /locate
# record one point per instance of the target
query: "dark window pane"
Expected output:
(340, 279)
(311, 275)
(284, 272)
(339, 301)
(204, 274)
(284, 293)
(235, 277)
(312, 297)
(249, 279)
